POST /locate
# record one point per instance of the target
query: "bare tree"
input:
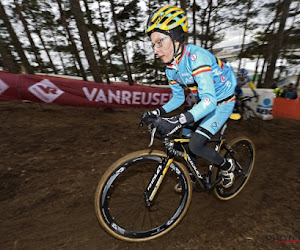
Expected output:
(71, 40)
(8, 60)
(278, 44)
(86, 43)
(130, 81)
(104, 33)
(94, 32)
(29, 36)
(15, 41)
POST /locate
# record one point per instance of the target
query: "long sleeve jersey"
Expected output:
(207, 77)
(242, 81)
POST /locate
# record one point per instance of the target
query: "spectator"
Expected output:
(284, 90)
(291, 92)
(278, 92)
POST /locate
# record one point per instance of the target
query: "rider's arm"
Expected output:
(252, 86)
(178, 96)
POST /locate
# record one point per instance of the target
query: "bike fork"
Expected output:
(156, 180)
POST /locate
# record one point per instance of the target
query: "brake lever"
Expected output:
(141, 124)
(153, 130)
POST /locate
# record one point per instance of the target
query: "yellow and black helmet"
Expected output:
(168, 20)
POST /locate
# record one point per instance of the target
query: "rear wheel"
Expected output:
(120, 202)
(242, 152)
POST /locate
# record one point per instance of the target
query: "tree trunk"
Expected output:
(71, 40)
(278, 44)
(86, 44)
(207, 30)
(15, 41)
(183, 6)
(203, 25)
(46, 50)
(39, 33)
(256, 69)
(8, 61)
(28, 33)
(59, 52)
(94, 31)
(260, 84)
(194, 22)
(104, 34)
(130, 81)
(249, 4)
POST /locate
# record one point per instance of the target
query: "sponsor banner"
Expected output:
(264, 106)
(70, 92)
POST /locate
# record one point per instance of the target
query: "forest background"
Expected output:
(105, 40)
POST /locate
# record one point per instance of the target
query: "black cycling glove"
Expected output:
(168, 126)
(150, 116)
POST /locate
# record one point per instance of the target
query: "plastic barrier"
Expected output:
(287, 108)
(264, 106)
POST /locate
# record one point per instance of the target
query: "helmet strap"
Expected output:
(176, 50)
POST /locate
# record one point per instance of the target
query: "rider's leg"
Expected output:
(209, 127)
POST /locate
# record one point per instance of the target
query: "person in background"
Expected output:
(242, 79)
(284, 90)
(278, 92)
(291, 92)
(211, 81)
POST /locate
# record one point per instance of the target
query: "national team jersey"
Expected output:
(241, 81)
(208, 78)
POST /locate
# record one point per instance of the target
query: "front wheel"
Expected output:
(242, 151)
(120, 202)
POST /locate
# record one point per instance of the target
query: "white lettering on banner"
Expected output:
(3, 86)
(114, 97)
(144, 99)
(126, 97)
(135, 98)
(156, 99)
(101, 96)
(91, 95)
(46, 91)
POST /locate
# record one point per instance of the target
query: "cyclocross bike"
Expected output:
(137, 198)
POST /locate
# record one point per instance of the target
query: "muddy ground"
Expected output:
(52, 158)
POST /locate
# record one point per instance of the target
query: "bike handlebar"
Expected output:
(248, 98)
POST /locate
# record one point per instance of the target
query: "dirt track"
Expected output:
(52, 158)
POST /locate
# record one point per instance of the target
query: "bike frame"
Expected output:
(203, 179)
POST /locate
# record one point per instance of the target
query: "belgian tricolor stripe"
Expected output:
(220, 63)
(172, 82)
(201, 69)
(194, 90)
